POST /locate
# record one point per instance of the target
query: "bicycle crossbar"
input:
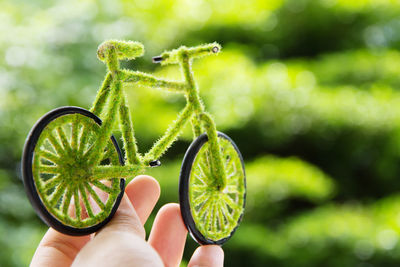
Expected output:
(147, 80)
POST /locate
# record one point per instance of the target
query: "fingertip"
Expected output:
(170, 211)
(146, 184)
(168, 215)
(143, 192)
(145, 180)
(168, 235)
(209, 255)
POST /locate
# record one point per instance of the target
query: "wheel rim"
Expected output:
(60, 174)
(215, 214)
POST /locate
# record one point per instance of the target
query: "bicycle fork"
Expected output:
(217, 166)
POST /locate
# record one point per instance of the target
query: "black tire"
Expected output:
(30, 185)
(201, 236)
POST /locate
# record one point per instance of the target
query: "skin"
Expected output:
(122, 241)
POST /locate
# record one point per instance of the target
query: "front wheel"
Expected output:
(212, 215)
(57, 178)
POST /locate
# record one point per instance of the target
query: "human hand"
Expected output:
(122, 241)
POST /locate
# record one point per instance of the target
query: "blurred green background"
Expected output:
(308, 89)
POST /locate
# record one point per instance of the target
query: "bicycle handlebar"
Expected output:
(174, 56)
(124, 49)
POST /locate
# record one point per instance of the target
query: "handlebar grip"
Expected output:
(174, 56)
(124, 49)
(204, 50)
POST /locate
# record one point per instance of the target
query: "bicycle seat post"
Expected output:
(108, 52)
(192, 90)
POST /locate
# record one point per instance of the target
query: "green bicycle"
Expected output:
(74, 172)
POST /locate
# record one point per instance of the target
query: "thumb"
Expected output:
(207, 256)
(120, 243)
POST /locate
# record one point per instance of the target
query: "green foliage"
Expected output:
(360, 68)
(279, 179)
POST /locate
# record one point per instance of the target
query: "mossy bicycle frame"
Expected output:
(111, 52)
(71, 156)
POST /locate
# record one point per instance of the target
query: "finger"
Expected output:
(207, 256)
(125, 221)
(57, 249)
(168, 234)
(143, 192)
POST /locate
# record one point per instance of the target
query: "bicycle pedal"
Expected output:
(155, 163)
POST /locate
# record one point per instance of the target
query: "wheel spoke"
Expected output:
(49, 156)
(205, 164)
(54, 142)
(214, 218)
(74, 133)
(231, 175)
(57, 194)
(231, 189)
(208, 217)
(230, 202)
(199, 188)
(226, 213)
(204, 171)
(220, 216)
(225, 147)
(95, 196)
(86, 201)
(63, 139)
(204, 208)
(77, 203)
(108, 151)
(66, 201)
(197, 176)
(88, 140)
(49, 169)
(82, 140)
(228, 161)
(52, 182)
(230, 166)
(102, 186)
(203, 197)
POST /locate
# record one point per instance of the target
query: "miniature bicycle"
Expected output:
(74, 172)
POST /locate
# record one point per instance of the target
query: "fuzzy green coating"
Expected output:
(174, 56)
(124, 49)
(75, 161)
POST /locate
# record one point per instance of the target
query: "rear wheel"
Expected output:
(57, 179)
(212, 215)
